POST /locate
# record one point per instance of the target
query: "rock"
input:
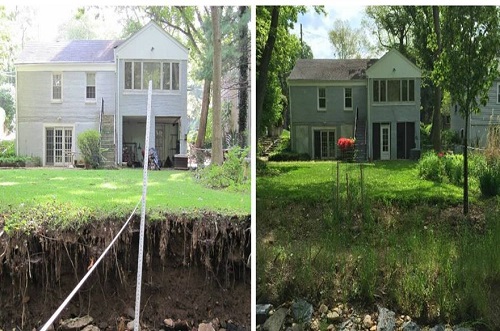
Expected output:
(462, 329)
(410, 326)
(130, 312)
(230, 326)
(315, 325)
(333, 317)
(386, 320)
(76, 323)
(438, 327)
(297, 327)
(331, 327)
(323, 309)
(91, 328)
(130, 326)
(169, 323)
(103, 325)
(276, 321)
(262, 312)
(367, 322)
(302, 311)
(373, 328)
(346, 325)
(206, 327)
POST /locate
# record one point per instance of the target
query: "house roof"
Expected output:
(330, 70)
(72, 51)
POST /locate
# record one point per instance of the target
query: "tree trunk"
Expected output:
(217, 71)
(436, 115)
(205, 102)
(263, 67)
(466, 164)
(243, 84)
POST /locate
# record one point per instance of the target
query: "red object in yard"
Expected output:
(345, 143)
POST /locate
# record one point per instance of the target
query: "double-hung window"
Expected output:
(321, 98)
(57, 87)
(347, 98)
(90, 88)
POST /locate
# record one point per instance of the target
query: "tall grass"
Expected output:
(376, 244)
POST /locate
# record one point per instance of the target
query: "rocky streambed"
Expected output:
(196, 275)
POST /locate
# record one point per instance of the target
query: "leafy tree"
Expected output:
(243, 76)
(80, 27)
(347, 42)
(277, 51)
(468, 64)
(7, 103)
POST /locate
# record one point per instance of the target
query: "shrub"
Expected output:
(489, 179)
(7, 148)
(449, 137)
(453, 168)
(234, 172)
(89, 144)
(431, 167)
(289, 156)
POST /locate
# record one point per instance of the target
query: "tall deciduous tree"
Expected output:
(468, 64)
(348, 43)
(243, 77)
(217, 73)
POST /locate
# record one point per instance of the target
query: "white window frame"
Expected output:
(143, 87)
(52, 87)
(345, 99)
(321, 98)
(385, 83)
(87, 99)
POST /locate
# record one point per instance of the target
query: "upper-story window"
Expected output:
(56, 86)
(348, 98)
(321, 98)
(164, 75)
(90, 87)
(394, 90)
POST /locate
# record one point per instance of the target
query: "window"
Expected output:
(90, 92)
(321, 98)
(348, 98)
(56, 87)
(498, 92)
(394, 90)
(165, 75)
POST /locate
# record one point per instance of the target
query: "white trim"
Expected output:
(400, 102)
(352, 100)
(44, 140)
(322, 109)
(345, 83)
(323, 128)
(388, 153)
(66, 67)
(133, 90)
(52, 100)
(94, 99)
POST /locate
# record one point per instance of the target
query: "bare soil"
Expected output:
(195, 270)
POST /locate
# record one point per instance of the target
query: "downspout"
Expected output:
(368, 122)
(117, 112)
(17, 121)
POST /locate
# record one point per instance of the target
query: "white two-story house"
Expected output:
(65, 88)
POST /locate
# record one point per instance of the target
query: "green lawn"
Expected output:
(115, 192)
(394, 181)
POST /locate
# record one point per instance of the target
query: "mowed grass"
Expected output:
(393, 181)
(115, 192)
(391, 239)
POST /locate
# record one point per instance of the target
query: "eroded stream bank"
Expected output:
(195, 269)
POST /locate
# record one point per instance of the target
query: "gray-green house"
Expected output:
(377, 101)
(479, 122)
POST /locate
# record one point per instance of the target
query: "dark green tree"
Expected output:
(469, 64)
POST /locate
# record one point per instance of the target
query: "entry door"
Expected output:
(324, 144)
(58, 146)
(160, 140)
(385, 141)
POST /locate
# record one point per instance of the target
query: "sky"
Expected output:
(315, 27)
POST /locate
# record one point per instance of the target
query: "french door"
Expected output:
(324, 144)
(58, 146)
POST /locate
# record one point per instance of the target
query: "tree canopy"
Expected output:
(347, 42)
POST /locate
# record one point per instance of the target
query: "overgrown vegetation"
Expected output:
(89, 143)
(233, 174)
(376, 234)
(8, 157)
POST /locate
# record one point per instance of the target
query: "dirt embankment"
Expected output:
(195, 269)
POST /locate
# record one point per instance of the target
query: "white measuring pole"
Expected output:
(143, 214)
